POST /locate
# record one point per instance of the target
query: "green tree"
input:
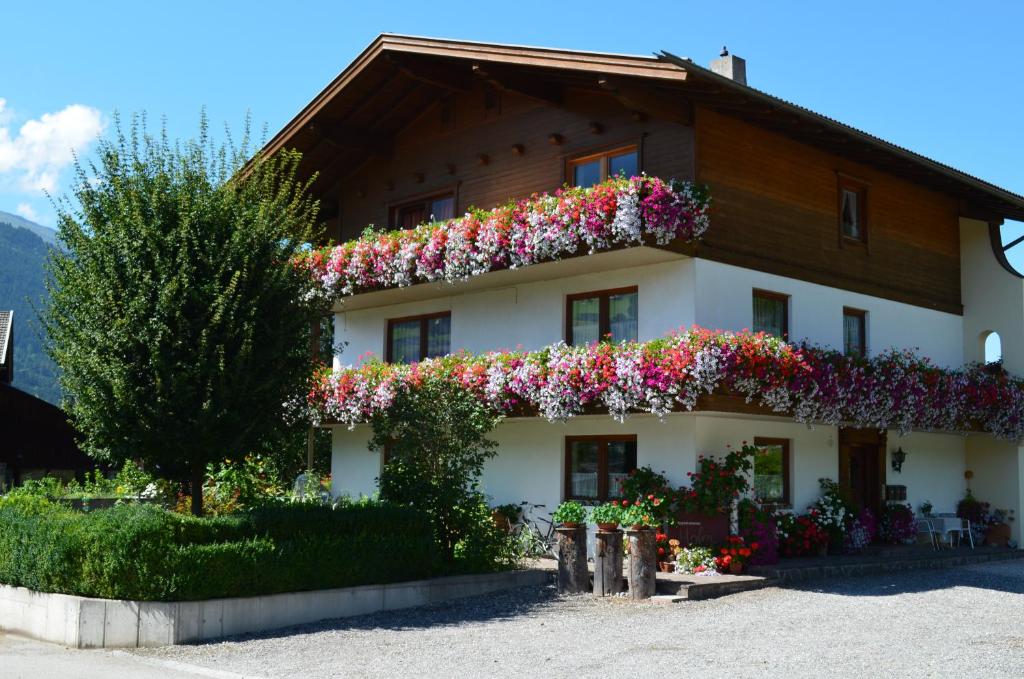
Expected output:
(435, 438)
(174, 315)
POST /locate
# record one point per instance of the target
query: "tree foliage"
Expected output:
(435, 440)
(174, 315)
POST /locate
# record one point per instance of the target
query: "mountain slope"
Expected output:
(22, 258)
(49, 236)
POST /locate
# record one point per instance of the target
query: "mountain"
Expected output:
(48, 235)
(23, 253)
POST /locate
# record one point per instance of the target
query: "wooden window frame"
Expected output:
(422, 318)
(862, 315)
(422, 199)
(787, 493)
(604, 325)
(778, 296)
(848, 183)
(603, 154)
(602, 464)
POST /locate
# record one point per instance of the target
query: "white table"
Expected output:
(946, 526)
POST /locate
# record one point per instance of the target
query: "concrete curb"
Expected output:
(83, 622)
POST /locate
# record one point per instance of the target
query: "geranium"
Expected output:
(734, 551)
(800, 535)
(661, 376)
(543, 227)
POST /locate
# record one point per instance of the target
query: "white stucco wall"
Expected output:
(933, 470)
(816, 313)
(672, 295)
(998, 468)
(530, 315)
(530, 463)
(993, 298)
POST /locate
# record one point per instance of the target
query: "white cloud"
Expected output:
(32, 159)
(27, 211)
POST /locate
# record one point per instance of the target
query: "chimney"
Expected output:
(730, 66)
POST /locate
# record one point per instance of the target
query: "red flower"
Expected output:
(650, 497)
(755, 546)
(661, 551)
(625, 503)
(724, 550)
(744, 552)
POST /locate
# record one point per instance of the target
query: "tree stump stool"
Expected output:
(608, 563)
(573, 576)
(642, 563)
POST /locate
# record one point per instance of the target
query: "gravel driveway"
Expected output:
(966, 622)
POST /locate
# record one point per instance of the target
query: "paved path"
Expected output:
(967, 622)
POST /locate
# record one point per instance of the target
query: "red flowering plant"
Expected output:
(643, 483)
(642, 512)
(735, 552)
(662, 546)
(801, 535)
(718, 483)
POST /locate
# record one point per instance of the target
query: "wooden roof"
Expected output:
(396, 77)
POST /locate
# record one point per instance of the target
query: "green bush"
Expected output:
(148, 553)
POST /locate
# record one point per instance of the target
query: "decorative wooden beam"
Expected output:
(504, 82)
(354, 138)
(445, 78)
(647, 101)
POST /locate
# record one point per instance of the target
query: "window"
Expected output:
(771, 313)
(434, 208)
(415, 338)
(595, 316)
(591, 169)
(855, 341)
(853, 210)
(596, 466)
(771, 470)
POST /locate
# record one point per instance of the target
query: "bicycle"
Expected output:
(536, 542)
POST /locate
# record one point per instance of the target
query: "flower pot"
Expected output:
(570, 524)
(735, 568)
(666, 566)
(998, 535)
(637, 526)
(607, 527)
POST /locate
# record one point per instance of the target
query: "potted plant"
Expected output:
(663, 548)
(640, 514)
(505, 516)
(606, 516)
(925, 508)
(734, 554)
(570, 514)
(998, 533)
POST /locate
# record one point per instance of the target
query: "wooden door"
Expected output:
(862, 467)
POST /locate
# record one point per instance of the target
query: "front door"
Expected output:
(862, 467)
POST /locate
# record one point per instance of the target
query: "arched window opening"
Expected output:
(993, 347)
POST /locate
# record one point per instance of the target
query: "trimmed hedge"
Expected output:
(147, 553)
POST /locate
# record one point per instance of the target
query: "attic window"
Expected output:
(435, 208)
(594, 168)
(853, 210)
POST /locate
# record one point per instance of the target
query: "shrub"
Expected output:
(148, 553)
(898, 525)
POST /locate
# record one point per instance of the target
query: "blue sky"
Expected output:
(939, 77)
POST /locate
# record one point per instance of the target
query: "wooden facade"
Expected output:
(488, 155)
(414, 118)
(776, 210)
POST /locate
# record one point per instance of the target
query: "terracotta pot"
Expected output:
(735, 568)
(570, 524)
(638, 526)
(607, 527)
(666, 566)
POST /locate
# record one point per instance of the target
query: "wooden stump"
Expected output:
(642, 563)
(573, 576)
(608, 563)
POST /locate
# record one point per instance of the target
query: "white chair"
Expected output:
(925, 526)
(965, 529)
